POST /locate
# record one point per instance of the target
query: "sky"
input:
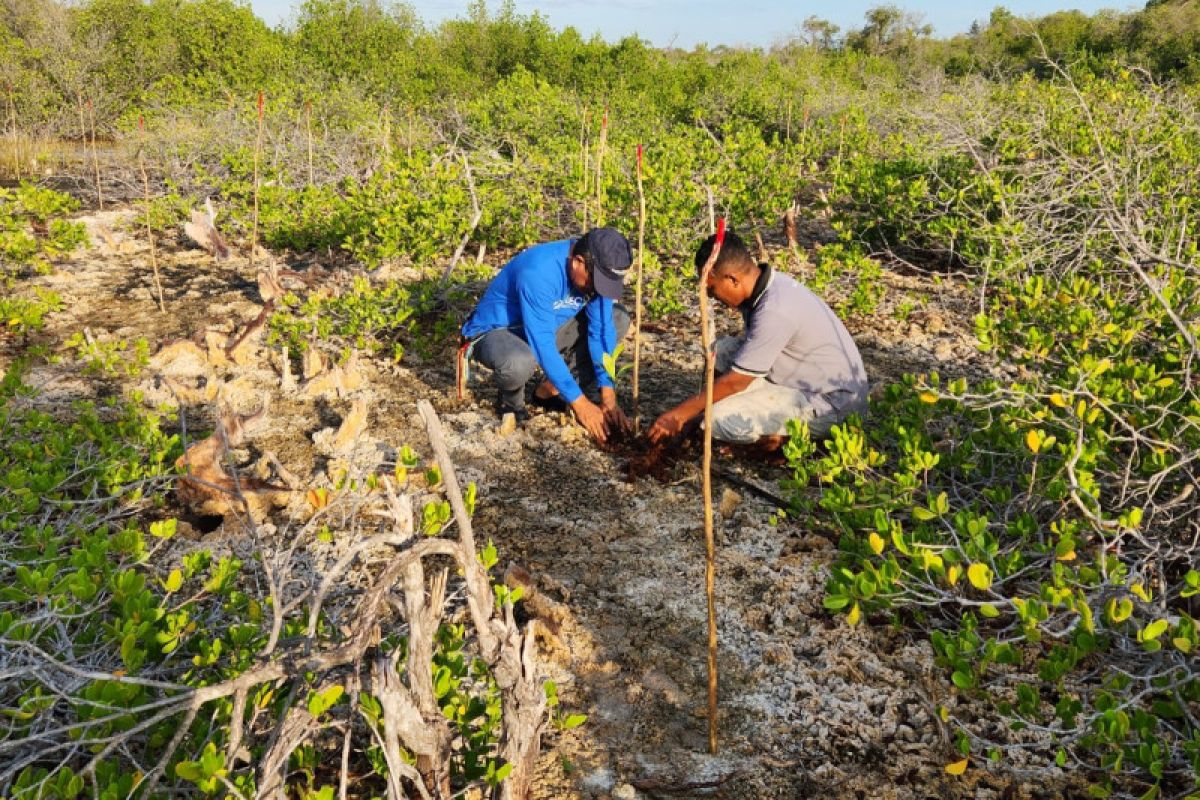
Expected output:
(686, 23)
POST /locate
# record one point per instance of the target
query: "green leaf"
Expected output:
(836, 602)
(320, 702)
(573, 721)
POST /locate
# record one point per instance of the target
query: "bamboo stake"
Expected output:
(146, 196)
(95, 156)
(257, 150)
(637, 307)
(710, 565)
(600, 168)
(308, 132)
(712, 211)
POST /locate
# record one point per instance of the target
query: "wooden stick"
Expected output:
(95, 155)
(710, 566)
(637, 302)
(257, 150)
(600, 168)
(146, 196)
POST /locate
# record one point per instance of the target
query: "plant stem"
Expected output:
(710, 564)
(637, 302)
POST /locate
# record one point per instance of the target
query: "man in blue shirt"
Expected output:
(553, 306)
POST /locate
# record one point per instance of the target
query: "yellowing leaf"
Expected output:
(952, 574)
(957, 767)
(1141, 592)
(876, 542)
(173, 581)
(1067, 556)
(855, 615)
(1033, 440)
(1118, 610)
(989, 611)
(318, 498)
(980, 576)
(928, 397)
(1058, 400)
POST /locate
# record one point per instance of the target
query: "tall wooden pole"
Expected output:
(637, 302)
(710, 566)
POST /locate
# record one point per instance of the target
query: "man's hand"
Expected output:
(591, 417)
(669, 424)
(614, 417)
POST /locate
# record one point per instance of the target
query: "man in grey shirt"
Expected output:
(795, 361)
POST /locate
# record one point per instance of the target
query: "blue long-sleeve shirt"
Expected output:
(533, 297)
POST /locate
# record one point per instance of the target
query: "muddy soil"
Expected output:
(809, 706)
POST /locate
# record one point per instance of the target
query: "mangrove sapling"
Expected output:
(706, 474)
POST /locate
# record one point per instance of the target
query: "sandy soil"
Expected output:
(809, 707)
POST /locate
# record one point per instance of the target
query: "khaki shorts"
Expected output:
(764, 408)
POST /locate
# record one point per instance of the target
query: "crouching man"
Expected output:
(796, 359)
(552, 306)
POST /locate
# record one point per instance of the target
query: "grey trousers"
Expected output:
(508, 355)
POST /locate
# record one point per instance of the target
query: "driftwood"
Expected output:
(208, 488)
(203, 231)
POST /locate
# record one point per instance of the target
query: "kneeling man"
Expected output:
(796, 359)
(553, 306)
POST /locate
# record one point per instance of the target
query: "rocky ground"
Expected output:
(809, 707)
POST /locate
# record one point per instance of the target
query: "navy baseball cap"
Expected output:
(611, 256)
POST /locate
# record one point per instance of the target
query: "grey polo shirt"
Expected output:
(794, 339)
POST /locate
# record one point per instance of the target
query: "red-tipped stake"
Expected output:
(637, 308)
(710, 566)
